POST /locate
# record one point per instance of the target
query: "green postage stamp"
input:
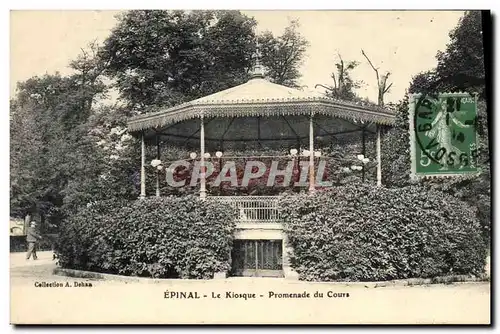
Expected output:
(443, 135)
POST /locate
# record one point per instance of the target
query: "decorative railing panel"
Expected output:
(253, 209)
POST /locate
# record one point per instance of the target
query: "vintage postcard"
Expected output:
(250, 167)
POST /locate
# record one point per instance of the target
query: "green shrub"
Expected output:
(367, 233)
(155, 237)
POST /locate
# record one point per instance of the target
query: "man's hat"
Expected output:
(33, 223)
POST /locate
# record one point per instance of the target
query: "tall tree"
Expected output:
(88, 76)
(382, 85)
(44, 117)
(283, 55)
(344, 86)
(161, 58)
(26, 159)
(461, 65)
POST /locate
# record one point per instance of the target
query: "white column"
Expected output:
(203, 190)
(311, 155)
(157, 171)
(379, 159)
(157, 184)
(143, 167)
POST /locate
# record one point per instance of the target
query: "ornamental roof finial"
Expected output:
(258, 69)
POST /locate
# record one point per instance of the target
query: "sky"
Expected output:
(401, 42)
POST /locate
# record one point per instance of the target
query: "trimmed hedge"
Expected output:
(367, 233)
(166, 237)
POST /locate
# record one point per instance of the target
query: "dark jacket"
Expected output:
(31, 235)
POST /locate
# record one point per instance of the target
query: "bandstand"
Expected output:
(259, 114)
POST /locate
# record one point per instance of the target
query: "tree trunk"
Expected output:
(380, 97)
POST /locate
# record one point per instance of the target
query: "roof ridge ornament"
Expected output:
(257, 70)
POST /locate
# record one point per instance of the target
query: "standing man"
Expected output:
(32, 238)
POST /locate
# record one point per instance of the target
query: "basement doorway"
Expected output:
(257, 258)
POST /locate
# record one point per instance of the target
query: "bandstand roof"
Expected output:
(260, 113)
(260, 97)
